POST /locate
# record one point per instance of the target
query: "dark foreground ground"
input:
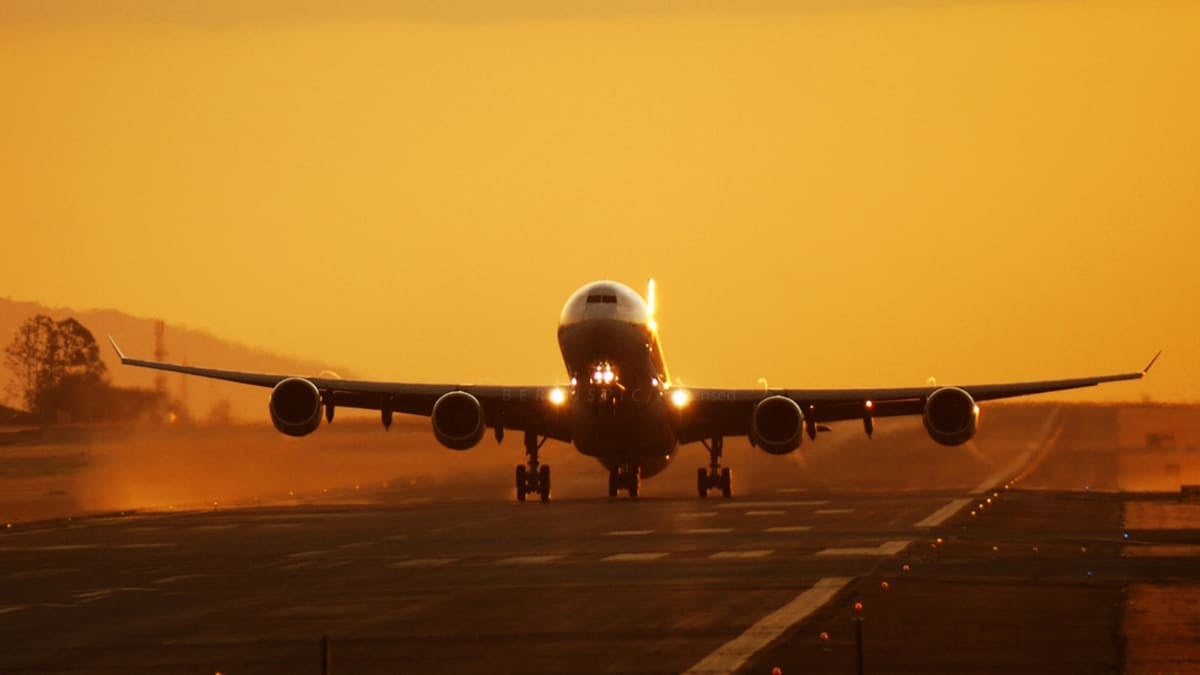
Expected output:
(436, 577)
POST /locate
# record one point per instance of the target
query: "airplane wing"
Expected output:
(520, 408)
(726, 412)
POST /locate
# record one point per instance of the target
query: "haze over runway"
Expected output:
(827, 195)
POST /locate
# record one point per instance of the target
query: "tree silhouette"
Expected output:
(57, 367)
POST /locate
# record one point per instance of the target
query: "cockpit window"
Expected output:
(605, 298)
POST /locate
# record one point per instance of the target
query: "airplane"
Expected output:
(621, 406)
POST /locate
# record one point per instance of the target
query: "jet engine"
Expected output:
(777, 425)
(458, 420)
(296, 406)
(950, 416)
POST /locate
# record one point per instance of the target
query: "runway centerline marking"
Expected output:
(528, 559)
(770, 504)
(885, 549)
(629, 533)
(740, 555)
(943, 514)
(766, 513)
(635, 557)
(833, 512)
(784, 529)
(734, 654)
(709, 530)
(424, 562)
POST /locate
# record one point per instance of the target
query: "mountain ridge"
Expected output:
(184, 344)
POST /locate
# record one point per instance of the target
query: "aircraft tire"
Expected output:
(544, 482)
(522, 476)
(726, 483)
(702, 483)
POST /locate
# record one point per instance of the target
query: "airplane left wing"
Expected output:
(519, 408)
(726, 412)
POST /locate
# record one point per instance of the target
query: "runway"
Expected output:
(434, 580)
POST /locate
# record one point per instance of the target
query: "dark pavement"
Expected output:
(435, 580)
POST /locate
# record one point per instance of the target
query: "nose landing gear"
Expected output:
(624, 477)
(714, 477)
(533, 478)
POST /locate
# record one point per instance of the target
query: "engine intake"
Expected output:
(458, 420)
(951, 416)
(777, 425)
(296, 407)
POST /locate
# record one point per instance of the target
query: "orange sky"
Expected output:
(828, 193)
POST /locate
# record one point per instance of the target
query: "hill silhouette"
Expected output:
(196, 347)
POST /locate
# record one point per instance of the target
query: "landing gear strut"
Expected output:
(714, 476)
(533, 478)
(624, 477)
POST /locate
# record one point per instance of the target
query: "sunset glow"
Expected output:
(854, 194)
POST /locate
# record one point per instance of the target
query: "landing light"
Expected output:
(608, 377)
(679, 398)
(558, 396)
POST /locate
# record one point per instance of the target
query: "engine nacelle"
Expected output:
(951, 416)
(777, 425)
(458, 420)
(296, 406)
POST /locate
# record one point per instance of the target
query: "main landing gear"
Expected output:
(533, 478)
(624, 477)
(714, 476)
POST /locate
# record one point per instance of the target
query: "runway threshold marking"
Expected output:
(629, 533)
(885, 549)
(943, 514)
(734, 654)
(785, 529)
(635, 557)
(740, 555)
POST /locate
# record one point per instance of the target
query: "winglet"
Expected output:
(1147, 368)
(121, 354)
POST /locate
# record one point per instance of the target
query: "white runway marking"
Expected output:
(740, 555)
(306, 554)
(941, 515)
(766, 513)
(59, 547)
(424, 562)
(698, 514)
(709, 530)
(734, 654)
(528, 559)
(788, 528)
(1048, 435)
(782, 502)
(634, 557)
(147, 545)
(629, 533)
(832, 512)
(12, 608)
(890, 548)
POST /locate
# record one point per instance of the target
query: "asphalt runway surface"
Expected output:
(435, 580)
